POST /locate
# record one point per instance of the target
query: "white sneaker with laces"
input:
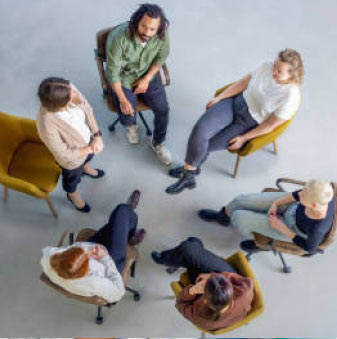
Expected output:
(132, 134)
(163, 154)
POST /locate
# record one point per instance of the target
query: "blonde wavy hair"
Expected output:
(294, 60)
(319, 191)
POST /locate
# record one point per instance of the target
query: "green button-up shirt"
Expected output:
(128, 60)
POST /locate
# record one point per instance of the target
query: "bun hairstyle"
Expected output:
(54, 93)
(219, 294)
(72, 263)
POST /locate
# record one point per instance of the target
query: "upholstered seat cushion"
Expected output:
(32, 162)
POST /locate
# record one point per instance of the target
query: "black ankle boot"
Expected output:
(187, 181)
(211, 215)
(178, 172)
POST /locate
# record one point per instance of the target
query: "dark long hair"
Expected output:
(218, 293)
(153, 11)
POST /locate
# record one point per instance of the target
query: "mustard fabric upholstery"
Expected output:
(261, 141)
(240, 263)
(26, 165)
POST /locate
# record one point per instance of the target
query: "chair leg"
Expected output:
(286, 268)
(249, 255)
(112, 126)
(51, 207)
(237, 165)
(133, 270)
(5, 194)
(148, 130)
(99, 318)
(136, 294)
(203, 334)
(275, 147)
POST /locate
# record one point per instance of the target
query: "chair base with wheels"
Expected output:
(240, 263)
(279, 247)
(129, 270)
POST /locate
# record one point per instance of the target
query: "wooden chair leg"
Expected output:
(275, 147)
(5, 194)
(203, 334)
(238, 160)
(51, 207)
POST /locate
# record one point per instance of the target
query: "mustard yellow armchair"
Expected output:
(240, 263)
(26, 165)
(259, 142)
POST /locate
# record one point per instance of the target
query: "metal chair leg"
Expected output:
(112, 126)
(237, 165)
(248, 256)
(136, 294)
(71, 238)
(133, 270)
(148, 130)
(286, 268)
(99, 318)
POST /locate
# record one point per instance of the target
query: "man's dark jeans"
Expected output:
(155, 97)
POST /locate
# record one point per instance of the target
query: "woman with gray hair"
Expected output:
(303, 216)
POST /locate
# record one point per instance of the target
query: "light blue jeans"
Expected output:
(248, 214)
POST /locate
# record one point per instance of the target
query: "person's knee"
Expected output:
(236, 218)
(127, 120)
(190, 247)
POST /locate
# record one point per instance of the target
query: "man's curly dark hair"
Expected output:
(153, 11)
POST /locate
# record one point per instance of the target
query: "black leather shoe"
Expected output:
(187, 181)
(84, 209)
(212, 215)
(179, 171)
(156, 256)
(134, 199)
(250, 246)
(100, 174)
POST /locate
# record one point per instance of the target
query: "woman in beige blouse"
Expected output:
(67, 126)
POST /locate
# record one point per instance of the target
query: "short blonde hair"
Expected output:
(294, 60)
(319, 191)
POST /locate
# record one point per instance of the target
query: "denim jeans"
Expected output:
(248, 214)
(216, 127)
(155, 97)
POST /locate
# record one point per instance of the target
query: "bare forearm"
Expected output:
(288, 199)
(236, 88)
(153, 70)
(117, 88)
(262, 129)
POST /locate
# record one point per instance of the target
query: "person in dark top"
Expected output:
(304, 216)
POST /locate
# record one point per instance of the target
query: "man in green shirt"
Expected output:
(135, 52)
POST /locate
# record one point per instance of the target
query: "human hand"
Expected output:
(199, 286)
(236, 143)
(141, 85)
(126, 107)
(97, 145)
(272, 209)
(98, 252)
(211, 103)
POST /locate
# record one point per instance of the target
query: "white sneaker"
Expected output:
(132, 134)
(163, 154)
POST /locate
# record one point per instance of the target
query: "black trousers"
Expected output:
(116, 233)
(155, 97)
(192, 255)
(71, 178)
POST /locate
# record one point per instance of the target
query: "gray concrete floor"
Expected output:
(213, 42)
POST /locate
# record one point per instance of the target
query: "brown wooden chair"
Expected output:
(101, 58)
(129, 270)
(278, 246)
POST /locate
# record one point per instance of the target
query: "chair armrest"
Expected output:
(66, 233)
(176, 288)
(288, 181)
(21, 186)
(29, 130)
(167, 75)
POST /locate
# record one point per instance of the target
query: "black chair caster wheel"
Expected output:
(136, 297)
(99, 320)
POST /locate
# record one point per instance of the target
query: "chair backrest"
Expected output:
(11, 136)
(101, 38)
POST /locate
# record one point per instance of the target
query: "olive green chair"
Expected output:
(26, 165)
(255, 144)
(240, 263)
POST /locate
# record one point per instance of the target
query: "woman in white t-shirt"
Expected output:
(252, 106)
(67, 125)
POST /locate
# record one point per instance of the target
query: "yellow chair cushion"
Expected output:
(240, 263)
(33, 163)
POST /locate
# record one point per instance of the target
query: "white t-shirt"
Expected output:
(103, 278)
(264, 96)
(75, 117)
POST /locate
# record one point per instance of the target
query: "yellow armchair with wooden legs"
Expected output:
(258, 142)
(240, 263)
(26, 165)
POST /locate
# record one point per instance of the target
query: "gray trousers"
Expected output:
(216, 127)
